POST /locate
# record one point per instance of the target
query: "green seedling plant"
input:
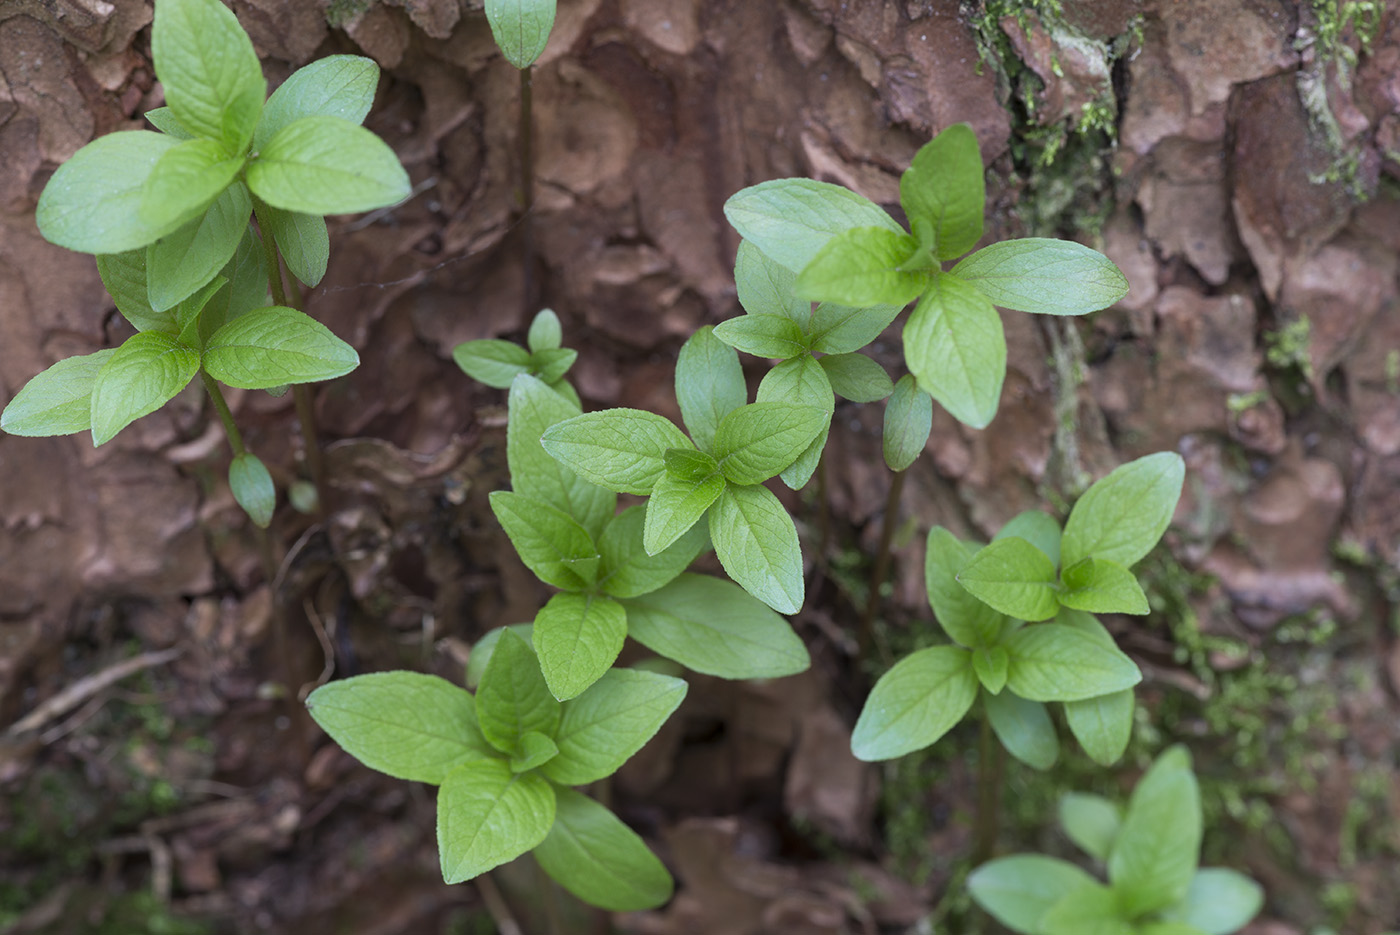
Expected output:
(568, 531)
(170, 217)
(506, 761)
(990, 601)
(1151, 851)
(846, 250)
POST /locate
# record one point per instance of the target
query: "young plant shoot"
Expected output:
(1152, 853)
(169, 216)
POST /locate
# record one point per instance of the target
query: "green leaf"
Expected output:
(1121, 517)
(620, 449)
(755, 442)
(756, 542)
(856, 377)
(863, 266)
(963, 617)
(181, 262)
(944, 186)
(1048, 277)
(521, 28)
(1218, 902)
(1155, 855)
(709, 384)
(600, 860)
(1014, 577)
(483, 648)
(92, 202)
(513, 699)
(1088, 910)
(124, 275)
(628, 569)
(1091, 821)
(1053, 662)
(566, 390)
(791, 220)
(908, 422)
(763, 335)
(1103, 725)
(327, 165)
(765, 286)
(141, 376)
(803, 381)
(549, 541)
(185, 180)
(302, 241)
(212, 78)
(1167, 928)
(1102, 587)
(1037, 528)
(493, 362)
(163, 119)
(190, 310)
(954, 344)
(57, 401)
(915, 703)
(1018, 890)
(603, 727)
(253, 488)
(714, 627)
(533, 408)
(246, 288)
(488, 816)
(545, 332)
(675, 508)
(336, 86)
(1024, 729)
(990, 664)
(689, 464)
(578, 636)
(535, 750)
(550, 364)
(841, 329)
(406, 724)
(274, 346)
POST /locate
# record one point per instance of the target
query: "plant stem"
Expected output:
(882, 561)
(497, 906)
(527, 187)
(216, 393)
(991, 762)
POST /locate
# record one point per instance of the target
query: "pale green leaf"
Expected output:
(791, 220)
(1218, 902)
(765, 286)
(856, 377)
(577, 637)
(908, 422)
(549, 541)
(212, 78)
(864, 266)
(1155, 855)
(915, 703)
(962, 616)
(535, 750)
(274, 346)
(545, 332)
(801, 380)
(1037, 528)
(185, 180)
(1121, 517)
(944, 187)
(520, 28)
(181, 262)
(709, 384)
(614, 718)
(163, 119)
(550, 364)
(1024, 729)
(1103, 725)
(488, 816)
(991, 663)
(763, 335)
(1014, 577)
(327, 165)
(493, 362)
(124, 275)
(336, 86)
(407, 724)
(301, 239)
(253, 488)
(600, 860)
(755, 442)
(484, 647)
(1087, 910)
(1054, 662)
(675, 508)
(141, 376)
(533, 408)
(1050, 277)
(57, 401)
(513, 699)
(756, 542)
(628, 569)
(1091, 821)
(620, 449)
(1100, 586)
(841, 329)
(1018, 890)
(955, 346)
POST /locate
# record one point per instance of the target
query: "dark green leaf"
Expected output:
(756, 542)
(915, 703)
(856, 377)
(1121, 517)
(521, 28)
(709, 384)
(181, 262)
(92, 203)
(327, 165)
(943, 186)
(755, 442)
(550, 542)
(513, 699)
(1014, 577)
(791, 220)
(335, 86)
(863, 266)
(252, 487)
(954, 344)
(302, 241)
(124, 275)
(212, 78)
(144, 374)
(628, 569)
(488, 816)
(603, 727)
(276, 345)
(600, 860)
(840, 329)
(1053, 662)
(908, 422)
(1051, 277)
(620, 449)
(1024, 729)
(57, 401)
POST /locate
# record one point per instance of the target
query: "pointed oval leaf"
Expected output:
(593, 855)
(1014, 577)
(124, 275)
(1103, 725)
(406, 724)
(1218, 902)
(709, 384)
(908, 422)
(550, 543)
(841, 329)
(274, 346)
(253, 488)
(302, 240)
(675, 508)
(620, 449)
(144, 374)
(484, 647)
(763, 335)
(163, 119)
(715, 627)
(1091, 821)
(962, 616)
(628, 569)
(791, 220)
(327, 165)
(756, 542)
(1048, 277)
(185, 180)
(864, 267)
(801, 380)
(545, 331)
(535, 750)
(92, 202)
(1155, 855)
(944, 186)
(336, 86)
(915, 703)
(954, 344)
(513, 699)
(492, 361)
(488, 816)
(765, 286)
(990, 664)
(1123, 515)
(57, 401)
(520, 28)
(614, 718)
(552, 363)
(533, 408)
(1100, 586)
(179, 264)
(856, 377)
(755, 442)
(1024, 729)
(1018, 890)
(578, 636)
(1037, 528)
(1053, 662)
(1088, 910)
(213, 80)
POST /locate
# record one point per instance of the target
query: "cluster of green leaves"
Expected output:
(520, 28)
(506, 760)
(1152, 853)
(846, 250)
(169, 215)
(983, 597)
(497, 363)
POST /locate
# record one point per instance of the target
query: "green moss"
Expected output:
(340, 12)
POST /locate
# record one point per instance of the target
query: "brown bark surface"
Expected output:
(1251, 198)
